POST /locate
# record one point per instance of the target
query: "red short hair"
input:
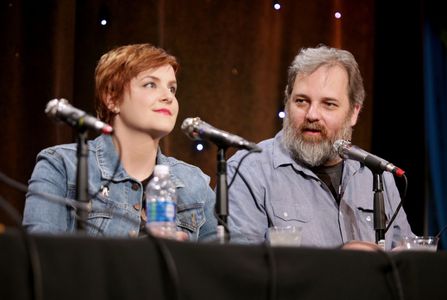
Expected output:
(117, 67)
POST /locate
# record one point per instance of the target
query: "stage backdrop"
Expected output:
(233, 55)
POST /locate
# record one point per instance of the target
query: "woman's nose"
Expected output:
(167, 96)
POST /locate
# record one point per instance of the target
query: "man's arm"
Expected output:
(248, 219)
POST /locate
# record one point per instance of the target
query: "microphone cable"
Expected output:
(222, 222)
(239, 165)
(106, 185)
(115, 168)
(160, 245)
(398, 291)
(272, 279)
(30, 250)
(236, 172)
(172, 286)
(165, 254)
(52, 198)
(441, 231)
(402, 195)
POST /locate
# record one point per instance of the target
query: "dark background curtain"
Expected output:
(435, 79)
(234, 57)
(398, 108)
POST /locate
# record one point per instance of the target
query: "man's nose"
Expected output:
(313, 113)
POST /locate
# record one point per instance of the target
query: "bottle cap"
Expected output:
(161, 170)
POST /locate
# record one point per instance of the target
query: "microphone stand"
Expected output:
(379, 209)
(82, 179)
(222, 196)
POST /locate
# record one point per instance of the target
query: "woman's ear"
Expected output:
(111, 105)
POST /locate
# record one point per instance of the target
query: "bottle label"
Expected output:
(161, 211)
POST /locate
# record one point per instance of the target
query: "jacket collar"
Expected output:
(108, 158)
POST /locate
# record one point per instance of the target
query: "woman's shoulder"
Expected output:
(58, 150)
(173, 162)
(181, 168)
(68, 149)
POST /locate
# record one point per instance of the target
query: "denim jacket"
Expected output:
(115, 209)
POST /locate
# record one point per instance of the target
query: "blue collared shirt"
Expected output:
(115, 209)
(272, 189)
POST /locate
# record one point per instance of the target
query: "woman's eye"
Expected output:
(150, 84)
(173, 89)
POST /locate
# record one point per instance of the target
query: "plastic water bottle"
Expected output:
(161, 204)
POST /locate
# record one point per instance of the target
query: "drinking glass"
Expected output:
(420, 243)
(284, 235)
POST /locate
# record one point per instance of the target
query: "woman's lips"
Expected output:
(163, 111)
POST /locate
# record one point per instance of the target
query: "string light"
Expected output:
(276, 5)
(104, 15)
(281, 114)
(337, 15)
(199, 147)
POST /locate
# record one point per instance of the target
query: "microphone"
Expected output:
(197, 129)
(346, 150)
(61, 110)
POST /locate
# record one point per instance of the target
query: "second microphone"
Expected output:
(196, 129)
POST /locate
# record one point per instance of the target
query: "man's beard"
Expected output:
(313, 151)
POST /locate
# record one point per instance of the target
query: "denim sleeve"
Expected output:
(49, 177)
(248, 221)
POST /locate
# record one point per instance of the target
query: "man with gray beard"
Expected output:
(299, 179)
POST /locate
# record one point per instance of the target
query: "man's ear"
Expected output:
(355, 114)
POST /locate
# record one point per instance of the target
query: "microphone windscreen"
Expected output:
(340, 144)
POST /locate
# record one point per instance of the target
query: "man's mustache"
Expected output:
(306, 126)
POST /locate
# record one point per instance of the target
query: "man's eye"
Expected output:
(300, 100)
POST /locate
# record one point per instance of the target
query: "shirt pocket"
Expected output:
(365, 216)
(98, 222)
(191, 216)
(291, 213)
(100, 216)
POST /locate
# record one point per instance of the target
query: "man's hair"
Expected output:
(117, 67)
(309, 60)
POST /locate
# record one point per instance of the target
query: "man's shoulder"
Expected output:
(257, 163)
(266, 154)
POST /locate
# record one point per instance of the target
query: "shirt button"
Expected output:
(286, 214)
(368, 218)
(135, 186)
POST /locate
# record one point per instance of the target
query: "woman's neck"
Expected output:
(138, 151)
